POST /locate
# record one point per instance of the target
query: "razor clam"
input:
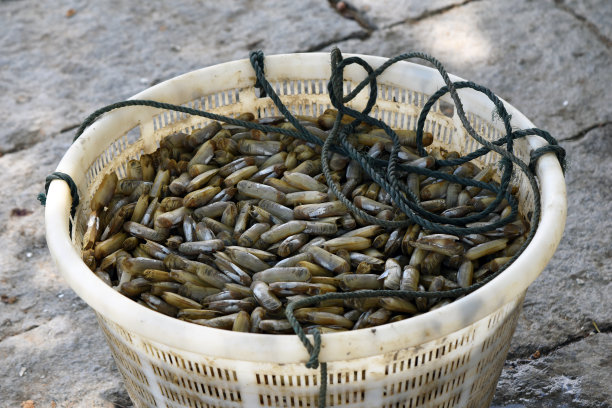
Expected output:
(283, 231)
(291, 244)
(286, 274)
(258, 190)
(263, 295)
(251, 235)
(349, 243)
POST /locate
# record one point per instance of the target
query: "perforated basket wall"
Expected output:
(451, 359)
(458, 370)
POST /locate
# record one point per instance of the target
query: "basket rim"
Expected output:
(507, 287)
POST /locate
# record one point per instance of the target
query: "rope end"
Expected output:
(42, 197)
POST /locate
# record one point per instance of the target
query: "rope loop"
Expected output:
(313, 362)
(540, 151)
(74, 193)
(257, 61)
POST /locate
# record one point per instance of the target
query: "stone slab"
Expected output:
(574, 290)
(554, 70)
(58, 69)
(559, 380)
(571, 298)
(385, 13)
(51, 348)
(596, 12)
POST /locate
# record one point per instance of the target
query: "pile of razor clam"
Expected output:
(225, 226)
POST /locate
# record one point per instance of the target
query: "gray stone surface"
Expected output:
(558, 380)
(50, 345)
(55, 69)
(596, 14)
(553, 69)
(580, 274)
(385, 13)
(109, 50)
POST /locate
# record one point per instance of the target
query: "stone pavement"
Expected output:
(550, 59)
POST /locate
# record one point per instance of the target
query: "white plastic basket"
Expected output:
(450, 357)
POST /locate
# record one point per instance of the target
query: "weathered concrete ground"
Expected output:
(551, 59)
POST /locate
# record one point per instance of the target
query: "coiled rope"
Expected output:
(387, 173)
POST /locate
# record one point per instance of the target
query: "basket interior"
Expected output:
(397, 106)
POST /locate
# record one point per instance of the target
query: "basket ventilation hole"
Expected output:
(447, 109)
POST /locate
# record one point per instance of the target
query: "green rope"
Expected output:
(74, 193)
(388, 180)
(386, 173)
(58, 175)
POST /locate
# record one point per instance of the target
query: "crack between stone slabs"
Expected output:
(348, 11)
(589, 25)
(25, 146)
(27, 329)
(430, 13)
(583, 132)
(546, 351)
(360, 35)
